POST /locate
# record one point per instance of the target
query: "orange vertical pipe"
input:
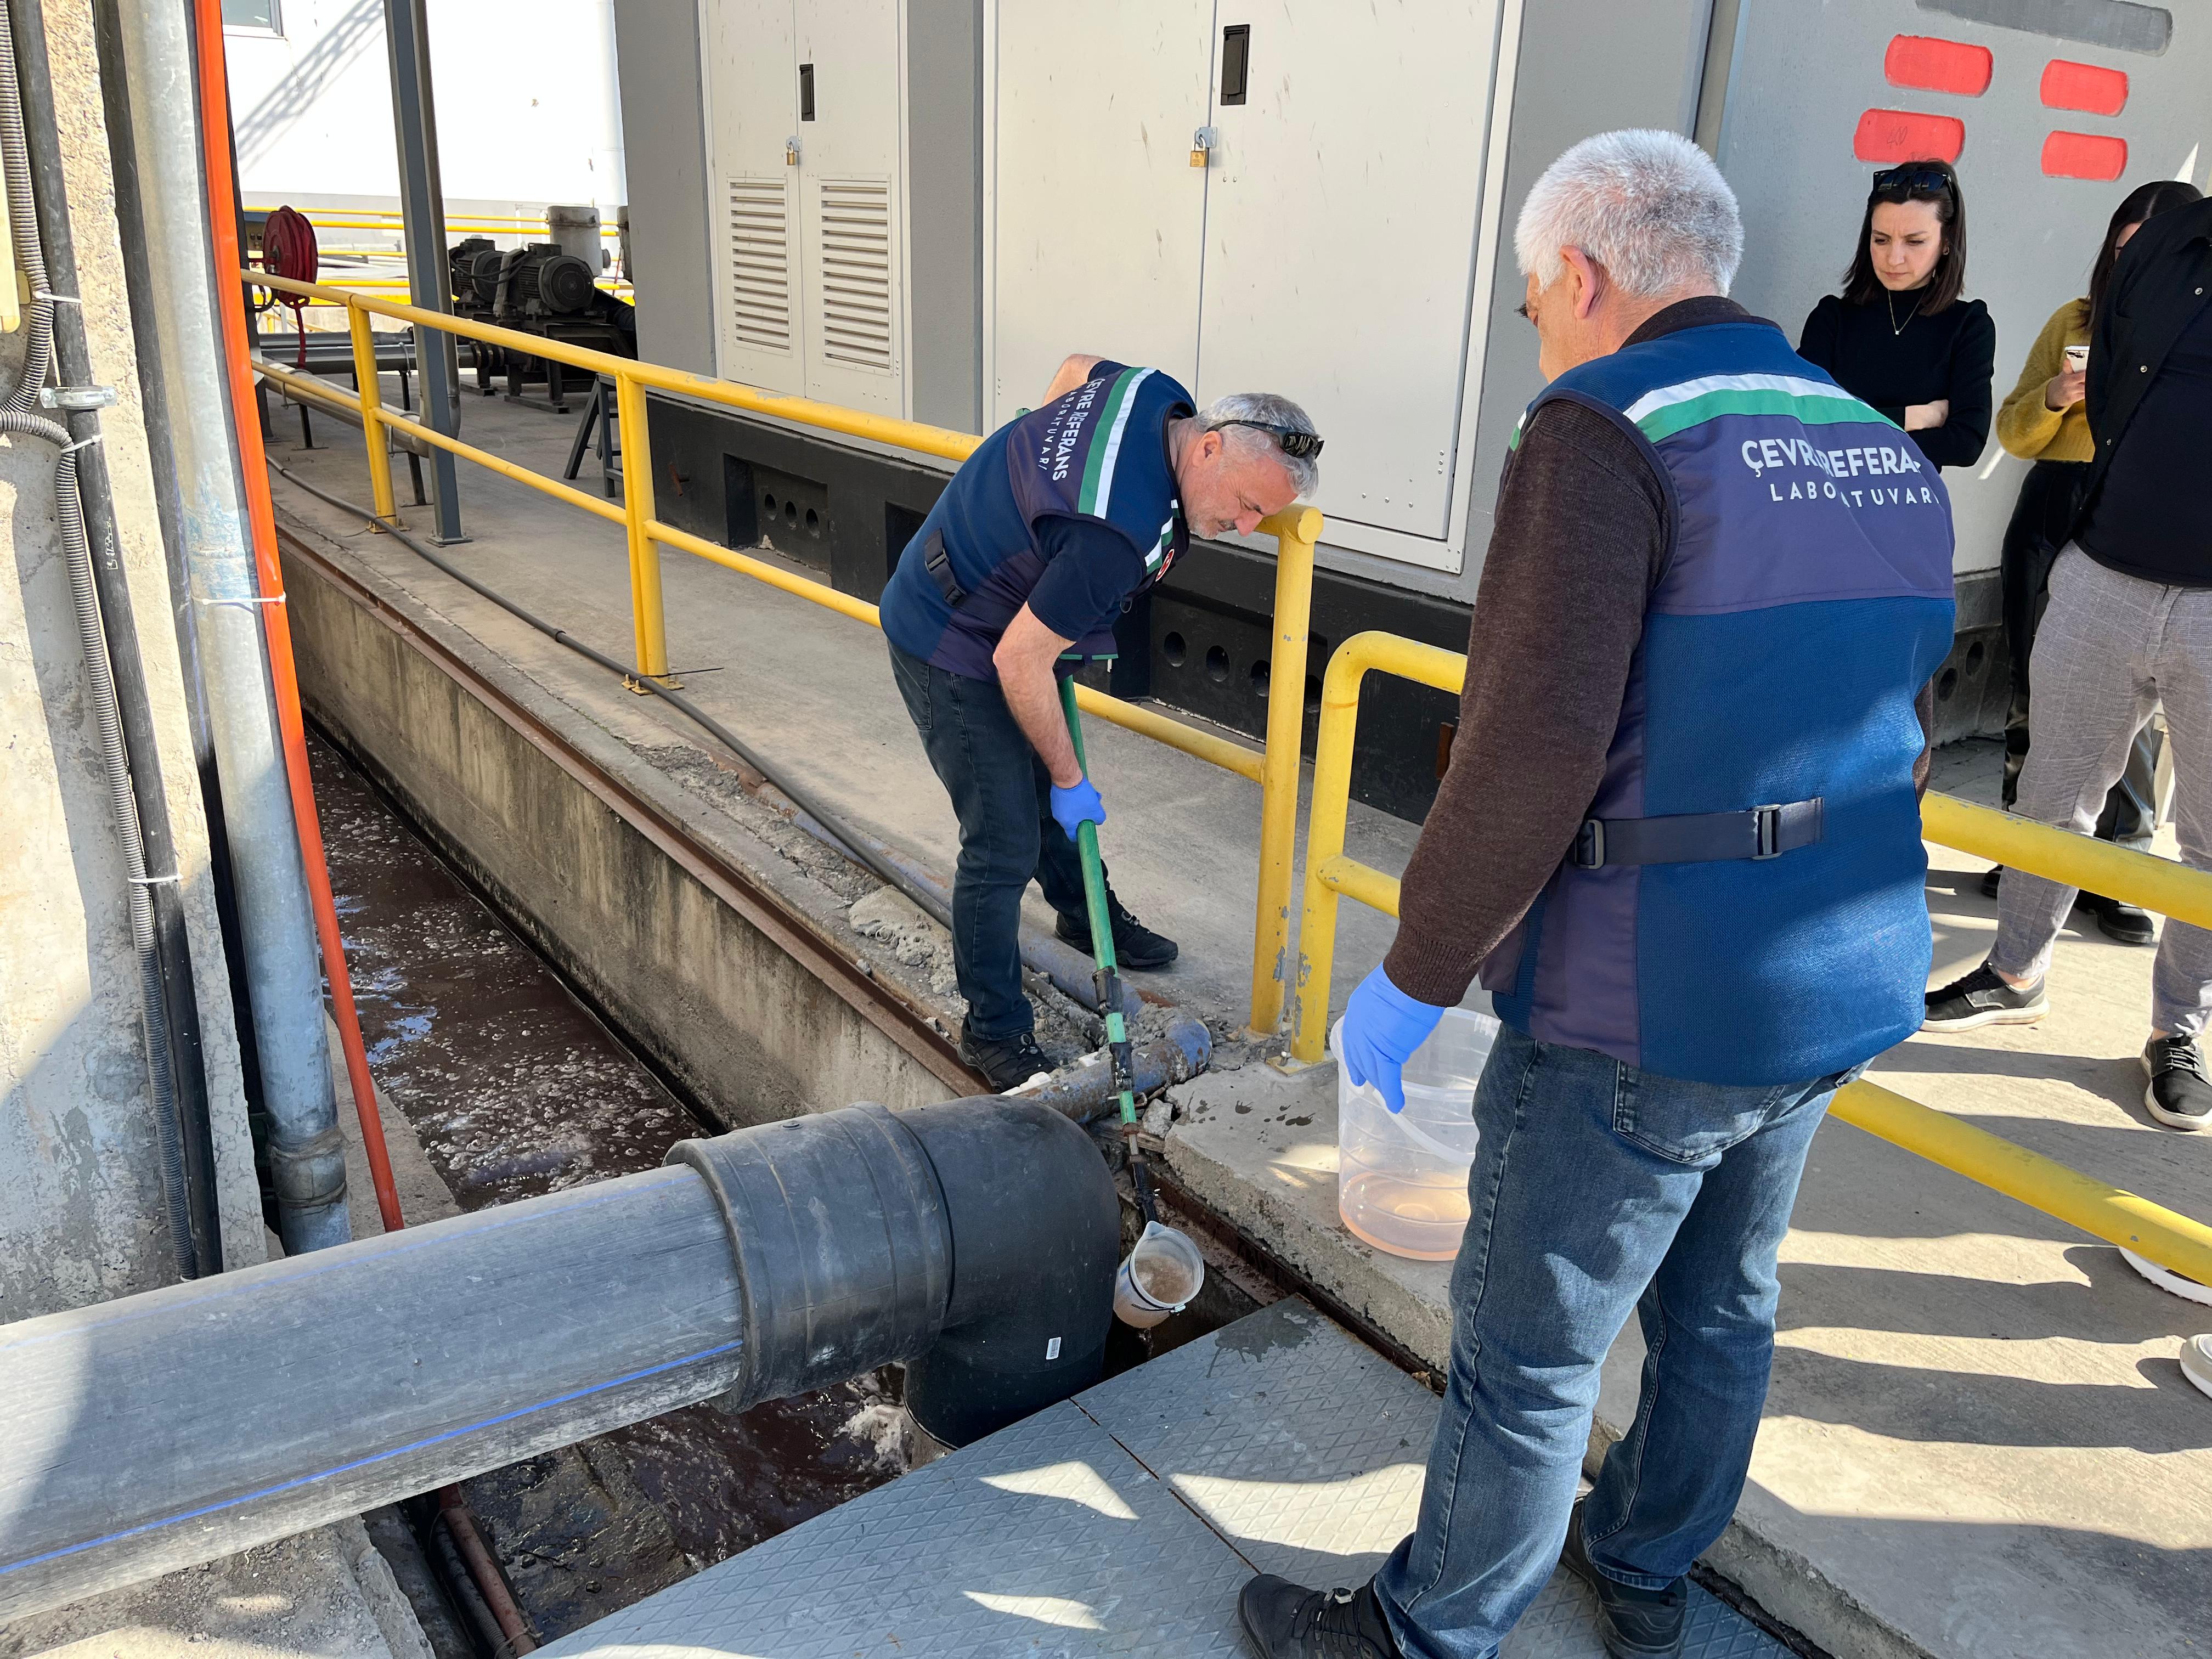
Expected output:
(223, 222)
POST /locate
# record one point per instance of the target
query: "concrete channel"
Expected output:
(1979, 1442)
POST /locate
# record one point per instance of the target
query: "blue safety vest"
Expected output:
(1099, 452)
(1745, 904)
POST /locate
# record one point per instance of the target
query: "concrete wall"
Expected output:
(527, 107)
(664, 136)
(81, 1210)
(724, 1008)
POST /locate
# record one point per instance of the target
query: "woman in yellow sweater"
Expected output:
(2044, 421)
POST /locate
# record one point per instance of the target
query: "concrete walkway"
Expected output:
(1979, 1442)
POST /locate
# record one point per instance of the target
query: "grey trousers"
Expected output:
(2111, 647)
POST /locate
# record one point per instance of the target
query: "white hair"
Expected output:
(1269, 408)
(1649, 206)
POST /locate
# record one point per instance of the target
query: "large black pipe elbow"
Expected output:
(975, 1240)
(1035, 1229)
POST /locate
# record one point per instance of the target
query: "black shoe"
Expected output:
(2180, 1096)
(1283, 1621)
(1635, 1624)
(1007, 1062)
(2120, 921)
(1982, 998)
(1990, 877)
(1135, 945)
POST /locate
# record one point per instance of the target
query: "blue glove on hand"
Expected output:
(1077, 804)
(1382, 1028)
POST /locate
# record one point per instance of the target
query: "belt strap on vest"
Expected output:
(939, 563)
(1758, 832)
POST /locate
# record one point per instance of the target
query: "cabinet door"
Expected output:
(752, 109)
(1097, 217)
(1340, 234)
(847, 72)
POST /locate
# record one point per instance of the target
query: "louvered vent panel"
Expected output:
(760, 264)
(855, 272)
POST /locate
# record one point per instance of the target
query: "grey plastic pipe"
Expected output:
(283, 971)
(159, 1430)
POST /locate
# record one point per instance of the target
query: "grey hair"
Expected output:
(1649, 206)
(1267, 407)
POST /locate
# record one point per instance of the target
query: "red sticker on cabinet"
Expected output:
(1903, 135)
(1937, 65)
(2084, 87)
(2084, 156)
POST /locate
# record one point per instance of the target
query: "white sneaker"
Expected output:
(2197, 1362)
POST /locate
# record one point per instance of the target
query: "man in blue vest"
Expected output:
(1679, 840)
(1016, 577)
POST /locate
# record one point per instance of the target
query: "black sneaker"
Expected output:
(2180, 1096)
(1283, 1621)
(1635, 1624)
(2120, 921)
(1990, 877)
(1982, 998)
(1135, 945)
(1007, 1062)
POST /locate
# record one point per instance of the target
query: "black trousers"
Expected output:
(2040, 522)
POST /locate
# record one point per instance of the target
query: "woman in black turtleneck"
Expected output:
(1899, 337)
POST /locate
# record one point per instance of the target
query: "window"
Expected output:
(253, 14)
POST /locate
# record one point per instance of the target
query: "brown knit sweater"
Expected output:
(1578, 541)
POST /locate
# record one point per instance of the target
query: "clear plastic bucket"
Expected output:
(1157, 1278)
(1402, 1177)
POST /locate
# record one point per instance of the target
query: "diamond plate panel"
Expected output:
(1300, 1445)
(1304, 1449)
(1045, 1540)
(1123, 1523)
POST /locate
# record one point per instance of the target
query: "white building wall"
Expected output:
(528, 112)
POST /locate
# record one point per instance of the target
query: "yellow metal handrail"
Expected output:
(1275, 768)
(2109, 1212)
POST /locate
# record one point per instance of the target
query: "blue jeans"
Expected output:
(1597, 1188)
(1002, 796)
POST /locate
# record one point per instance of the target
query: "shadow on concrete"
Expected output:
(2115, 1305)
(1977, 1408)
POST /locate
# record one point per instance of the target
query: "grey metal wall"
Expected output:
(945, 204)
(664, 141)
(1799, 78)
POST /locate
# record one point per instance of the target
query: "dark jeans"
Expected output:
(2042, 519)
(1598, 1190)
(1002, 796)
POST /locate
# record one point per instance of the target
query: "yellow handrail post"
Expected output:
(646, 621)
(1296, 532)
(372, 415)
(1332, 803)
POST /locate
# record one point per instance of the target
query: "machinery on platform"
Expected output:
(548, 288)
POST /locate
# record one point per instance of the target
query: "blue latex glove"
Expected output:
(1382, 1028)
(1077, 804)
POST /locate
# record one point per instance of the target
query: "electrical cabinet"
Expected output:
(1255, 195)
(805, 178)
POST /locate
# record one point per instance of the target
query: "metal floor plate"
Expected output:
(1122, 1522)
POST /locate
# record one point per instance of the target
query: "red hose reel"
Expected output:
(287, 249)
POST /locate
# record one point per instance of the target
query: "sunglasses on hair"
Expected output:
(1911, 177)
(1298, 445)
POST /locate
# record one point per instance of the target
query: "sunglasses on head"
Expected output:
(1911, 177)
(1298, 445)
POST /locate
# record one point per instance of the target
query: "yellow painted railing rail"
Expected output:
(2109, 1212)
(1275, 768)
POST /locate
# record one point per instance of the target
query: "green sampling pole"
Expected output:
(1107, 977)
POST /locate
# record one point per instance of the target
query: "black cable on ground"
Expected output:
(854, 845)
